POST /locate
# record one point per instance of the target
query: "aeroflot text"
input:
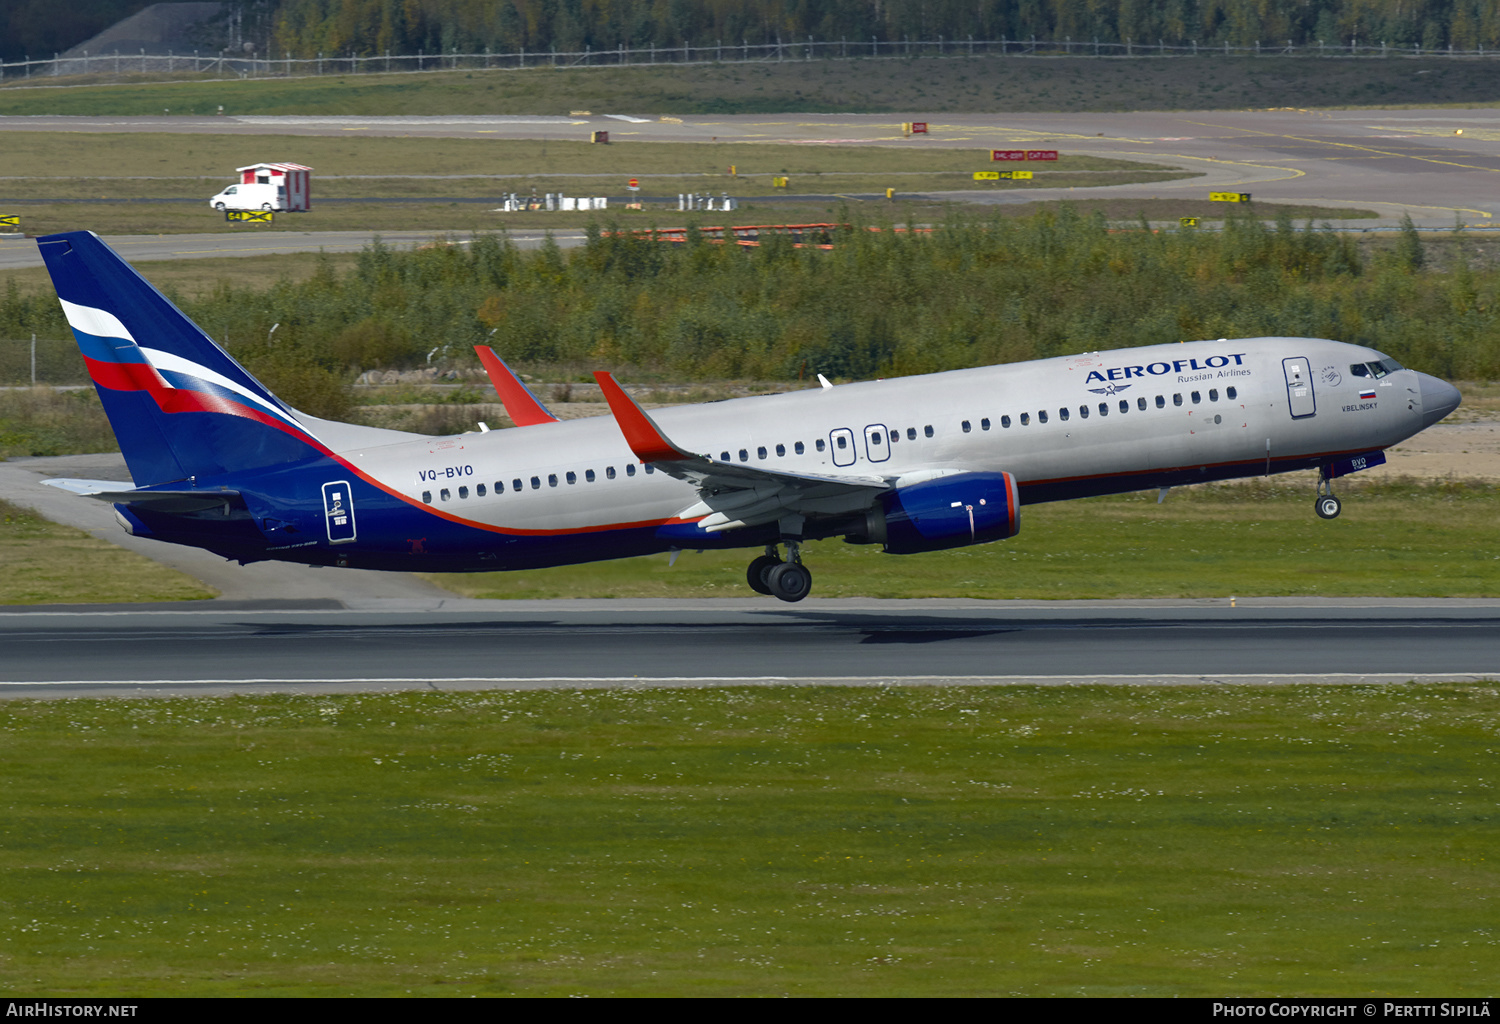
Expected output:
(1351, 1010)
(1157, 369)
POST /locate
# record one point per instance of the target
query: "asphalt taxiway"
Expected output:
(452, 644)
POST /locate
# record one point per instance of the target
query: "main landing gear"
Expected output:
(788, 580)
(1327, 505)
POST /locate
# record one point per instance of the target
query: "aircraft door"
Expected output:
(1299, 387)
(338, 512)
(877, 443)
(841, 443)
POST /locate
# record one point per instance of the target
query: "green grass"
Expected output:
(65, 156)
(1198, 841)
(917, 86)
(45, 563)
(1395, 539)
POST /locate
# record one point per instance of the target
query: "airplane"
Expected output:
(915, 464)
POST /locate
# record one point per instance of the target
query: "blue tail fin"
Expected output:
(179, 404)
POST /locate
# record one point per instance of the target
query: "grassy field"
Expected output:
(1197, 841)
(917, 86)
(64, 156)
(44, 563)
(1260, 538)
(62, 180)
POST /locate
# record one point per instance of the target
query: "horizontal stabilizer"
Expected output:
(117, 492)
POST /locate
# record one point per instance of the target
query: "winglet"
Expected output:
(520, 404)
(642, 434)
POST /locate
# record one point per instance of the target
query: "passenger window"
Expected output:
(927, 430)
(1177, 399)
(443, 494)
(536, 483)
(479, 490)
(551, 479)
(588, 476)
(1083, 412)
(1124, 406)
(427, 497)
(1161, 401)
(781, 451)
(760, 452)
(1213, 394)
(819, 444)
(1230, 393)
(609, 472)
(841, 441)
(630, 469)
(572, 477)
(966, 426)
(1140, 403)
(984, 424)
(1197, 398)
(798, 448)
(895, 436)
(1103, 408)
(463, 492)
(744, 455)
(650, 469)
(1005, 422)
(1025, 419)
(1062, 413)
(911, 433)
(723, 456)
(515, 484)
(1041, 416)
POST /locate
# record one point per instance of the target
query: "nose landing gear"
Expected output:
(1327, 506)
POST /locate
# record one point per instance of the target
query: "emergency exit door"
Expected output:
(1299, 387)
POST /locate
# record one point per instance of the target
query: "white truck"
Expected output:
(250, 197)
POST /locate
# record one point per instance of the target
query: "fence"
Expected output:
(745, 53)
(26, 361)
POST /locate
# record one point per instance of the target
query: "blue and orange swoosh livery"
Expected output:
(915, 464)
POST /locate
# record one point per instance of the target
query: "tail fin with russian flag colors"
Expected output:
(179, 404)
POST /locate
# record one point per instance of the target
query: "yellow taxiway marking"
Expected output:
(1290, 172)
(1482, 134)
(1367, 149)
(1398, 206)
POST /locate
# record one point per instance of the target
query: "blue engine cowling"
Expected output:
(950, 512)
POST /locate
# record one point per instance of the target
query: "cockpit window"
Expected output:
(1377, 368)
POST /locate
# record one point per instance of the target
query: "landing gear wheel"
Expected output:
(789, 581)
(1328, 507)
(758, 571)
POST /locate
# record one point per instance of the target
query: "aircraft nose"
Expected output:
(1439, 398)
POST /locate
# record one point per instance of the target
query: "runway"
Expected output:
(382, 645)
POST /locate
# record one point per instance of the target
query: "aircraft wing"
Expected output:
(736, 495)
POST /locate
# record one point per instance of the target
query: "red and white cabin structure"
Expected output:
(297, 179)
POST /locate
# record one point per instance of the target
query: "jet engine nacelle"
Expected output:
(946, 512)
